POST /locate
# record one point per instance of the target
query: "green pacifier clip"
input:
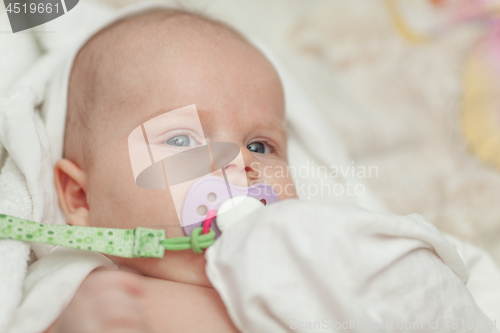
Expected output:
(126, 243)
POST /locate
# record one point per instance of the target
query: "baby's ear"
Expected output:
(71, 186)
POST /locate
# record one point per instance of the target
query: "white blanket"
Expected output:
(309, 267)
(35, 70)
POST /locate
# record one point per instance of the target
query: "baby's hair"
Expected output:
(84, 75)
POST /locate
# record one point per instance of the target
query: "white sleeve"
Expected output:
(50, 285)
(304, 267)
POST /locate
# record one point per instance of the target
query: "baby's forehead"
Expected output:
(125, 72)
(171, 32)
(129, 49)
(145, 44)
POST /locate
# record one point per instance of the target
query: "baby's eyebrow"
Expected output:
(160, 112)
(157, 113)
(279, 128)
(165, 110)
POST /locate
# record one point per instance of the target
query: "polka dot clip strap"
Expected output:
(126, 243)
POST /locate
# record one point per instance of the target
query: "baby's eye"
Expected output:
(182, 141)
(258, 147)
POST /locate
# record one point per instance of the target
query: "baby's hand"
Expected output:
(107, 301)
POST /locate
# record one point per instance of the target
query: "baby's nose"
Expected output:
(235, 173)
(239, 172)
(251, 165)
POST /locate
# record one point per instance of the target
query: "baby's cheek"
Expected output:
(277, 175)
(285, 188)
(117, 202)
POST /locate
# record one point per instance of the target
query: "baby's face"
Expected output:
(239, 99)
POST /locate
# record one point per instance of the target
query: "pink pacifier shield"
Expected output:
(210, 192)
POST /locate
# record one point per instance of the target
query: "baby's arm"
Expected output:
(117, 301)
(177, 307)
(107, 301)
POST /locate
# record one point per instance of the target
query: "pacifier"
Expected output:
(229, 203)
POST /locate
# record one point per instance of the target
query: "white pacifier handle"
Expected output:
(235, 209)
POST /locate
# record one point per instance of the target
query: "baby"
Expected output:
(129, 72)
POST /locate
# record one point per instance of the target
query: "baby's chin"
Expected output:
(177, 266)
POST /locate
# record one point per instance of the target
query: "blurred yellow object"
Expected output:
(424, 20)
(481, 106)
(481, 82)
(401, 25)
